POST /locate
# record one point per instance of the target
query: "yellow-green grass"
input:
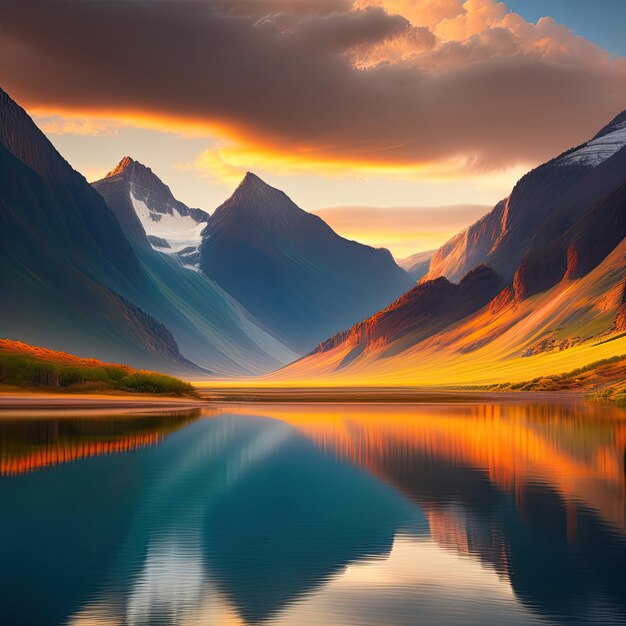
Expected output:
(604, 377)
(31, 367)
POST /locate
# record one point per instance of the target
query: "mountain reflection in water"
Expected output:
(470, 513)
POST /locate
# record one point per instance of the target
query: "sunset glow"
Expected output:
(424, 158)
(313, 312)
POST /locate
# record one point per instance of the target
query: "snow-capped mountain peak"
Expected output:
(170, 226)
(603, 146)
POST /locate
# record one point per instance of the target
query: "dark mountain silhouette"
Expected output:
(65, 265)
(543, 204)
(290, 269)
(212, 329)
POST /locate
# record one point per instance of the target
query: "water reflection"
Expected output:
(34, 443)
(352, 515)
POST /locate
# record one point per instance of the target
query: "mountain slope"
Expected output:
(417, 265)
(554, 195)
(418, 314)
(211, 328)
(563, 307)
(571, 325)
(65, 266)
(578, 250)
(290, 269)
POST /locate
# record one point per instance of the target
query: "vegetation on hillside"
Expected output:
(604, 380)
(28, 366)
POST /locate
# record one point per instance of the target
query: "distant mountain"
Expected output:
(290, 269)
(212, 328)
(545, 292)
(82, 276)
(468, 248)
(170, 226)
(66, 268)
(417, 265)
(418, 314)
(551, 198)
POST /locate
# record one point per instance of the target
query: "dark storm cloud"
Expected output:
(338, 32)
(278, 71)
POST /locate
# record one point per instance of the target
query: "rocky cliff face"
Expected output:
(576, 251)
(470, 247)
(543, 205)
(501, 238)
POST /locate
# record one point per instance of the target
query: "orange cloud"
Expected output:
(427, 13)
(68, 125)
(423, 88)
(468, 32)
(230, 160)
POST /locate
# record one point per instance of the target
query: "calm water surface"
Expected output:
(333, 515)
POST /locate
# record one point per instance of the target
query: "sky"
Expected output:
(340, 103)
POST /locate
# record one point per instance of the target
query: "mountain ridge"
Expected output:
(566, 294)
(52, 294)
(143, 176)
(212, 327)
(502, 237)
(290, 269)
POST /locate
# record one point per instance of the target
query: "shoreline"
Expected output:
(23, 401)
(27, 400)
(374, 395)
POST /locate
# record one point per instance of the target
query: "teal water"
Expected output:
(343, 515)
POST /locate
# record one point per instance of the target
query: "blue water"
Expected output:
(450, 514)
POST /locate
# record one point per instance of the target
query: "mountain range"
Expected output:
(124, 271)
(535, 287)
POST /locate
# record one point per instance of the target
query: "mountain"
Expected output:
(418, 314)
(66, 267)
(170, 226)
(418, 264)
(549, 198)
(468, 248)
(576, 251)
(552, 296)
(290, 269)
(82, 275)
(212, 328)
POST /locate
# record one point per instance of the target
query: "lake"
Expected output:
(449, 513)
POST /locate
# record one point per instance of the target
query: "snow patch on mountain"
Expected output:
(598, 150)
(171, 233)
